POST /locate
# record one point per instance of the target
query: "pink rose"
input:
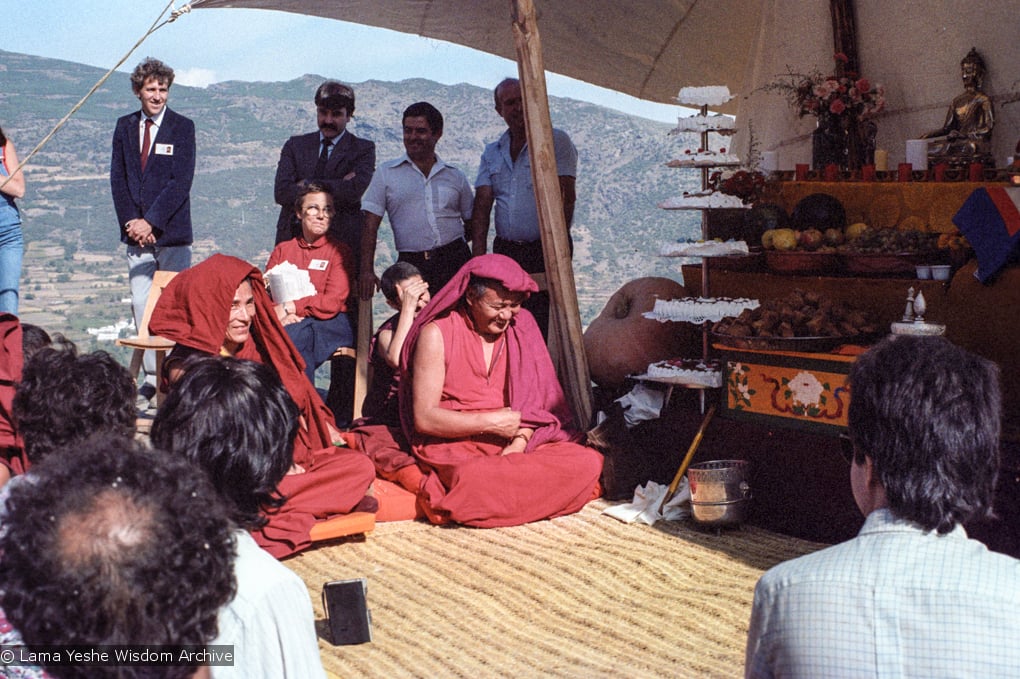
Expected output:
(837, 107)
(863, 85)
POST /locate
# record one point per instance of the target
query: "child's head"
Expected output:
(395, 279)
(33, 338)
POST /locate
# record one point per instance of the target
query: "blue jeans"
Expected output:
(12, 247)
(142, 264)
(316, 339)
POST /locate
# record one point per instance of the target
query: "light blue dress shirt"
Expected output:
(894, 601)
(513, 188)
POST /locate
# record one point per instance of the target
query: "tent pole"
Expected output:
(567, 343)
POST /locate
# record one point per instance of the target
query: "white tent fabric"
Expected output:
(652, 48)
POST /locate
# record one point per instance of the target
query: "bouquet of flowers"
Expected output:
(845, 93)
(746, 185)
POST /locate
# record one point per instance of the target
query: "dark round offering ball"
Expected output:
(818, 211)
(761, 218)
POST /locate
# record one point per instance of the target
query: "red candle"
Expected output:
(868, 173)
(903, 172)
(801, 172)
(977, 171)
(831, 172)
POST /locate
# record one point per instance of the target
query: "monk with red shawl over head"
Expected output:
(483, 410)
(221, 307)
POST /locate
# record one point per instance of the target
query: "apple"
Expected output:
(810, 239)
(834, 237)
(855, 231)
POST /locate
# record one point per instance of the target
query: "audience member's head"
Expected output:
(235, 420)
(924, 419)
(113, 544)
(65, 397)
(395, 275)
(34, 338)
(335, 96)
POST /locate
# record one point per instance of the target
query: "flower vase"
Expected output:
(829, 143)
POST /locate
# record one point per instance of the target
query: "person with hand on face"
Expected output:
(428, 202)
(151, 171)
(317, 324)
(378, 431)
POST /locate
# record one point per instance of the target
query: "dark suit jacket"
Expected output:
(162, 194)
(297, 164)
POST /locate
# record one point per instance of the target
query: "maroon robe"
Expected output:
(468, 481)
(193, 311)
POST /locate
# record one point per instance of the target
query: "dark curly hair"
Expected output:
(235, 420)
(64, 397)
(151, 68)
(928, 414)
(109, 543)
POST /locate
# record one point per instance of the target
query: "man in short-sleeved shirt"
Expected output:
(428, 203)
(504, 179)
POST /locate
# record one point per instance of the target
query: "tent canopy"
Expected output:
(647, 49)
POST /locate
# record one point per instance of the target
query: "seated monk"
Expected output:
(221, 307)
(966, 135)
(483, 410)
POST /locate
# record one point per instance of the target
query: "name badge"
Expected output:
(164, 149)
(318, 264)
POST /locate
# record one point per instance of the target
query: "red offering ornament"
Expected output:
(903, 172)
(831, 172)
(977, 171)
(940, 172)
(868, 173)
(801, 172)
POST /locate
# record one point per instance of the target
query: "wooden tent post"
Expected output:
(567, 344)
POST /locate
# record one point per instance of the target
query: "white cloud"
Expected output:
(194, 77)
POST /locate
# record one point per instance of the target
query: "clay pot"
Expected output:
(622, 342)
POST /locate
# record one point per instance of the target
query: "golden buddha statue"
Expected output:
(966, 135)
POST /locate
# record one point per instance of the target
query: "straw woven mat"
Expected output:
(578, 596)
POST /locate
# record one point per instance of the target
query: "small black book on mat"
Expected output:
(346, 605)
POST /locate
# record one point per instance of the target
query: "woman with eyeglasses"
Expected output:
(316, 323)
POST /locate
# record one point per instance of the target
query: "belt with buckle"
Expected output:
(426, 255)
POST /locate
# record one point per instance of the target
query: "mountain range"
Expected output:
(75, 270)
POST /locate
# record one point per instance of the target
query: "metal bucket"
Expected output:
(720, 494)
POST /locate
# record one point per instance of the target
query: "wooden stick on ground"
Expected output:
(688, 457)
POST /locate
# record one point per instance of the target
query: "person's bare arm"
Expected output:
(391, 344)
(15, 185)
(430, 417)
(480, 216)
(367, 280)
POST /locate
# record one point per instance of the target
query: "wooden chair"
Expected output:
(143, 341)
(360, 355)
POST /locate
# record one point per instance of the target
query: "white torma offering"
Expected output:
(713, 95)
(287, 282)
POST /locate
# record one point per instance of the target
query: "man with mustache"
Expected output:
(332, 157)
(428, 202)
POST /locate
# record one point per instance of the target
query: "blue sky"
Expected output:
(213, 45)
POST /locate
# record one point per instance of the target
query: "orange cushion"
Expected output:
(395, 503)
(354, 523)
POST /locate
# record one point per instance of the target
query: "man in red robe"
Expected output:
(221, 307)
(483, 410)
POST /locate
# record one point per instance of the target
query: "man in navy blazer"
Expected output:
(151, 171)
(346, 170)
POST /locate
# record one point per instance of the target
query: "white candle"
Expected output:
(881, 160)
(769, 161)
(917, 153)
